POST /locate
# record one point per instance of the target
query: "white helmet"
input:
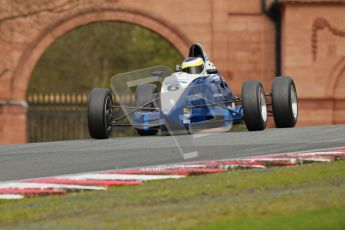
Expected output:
(193, 65)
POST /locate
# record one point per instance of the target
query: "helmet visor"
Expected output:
(193, 69)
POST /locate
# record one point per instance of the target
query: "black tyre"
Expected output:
(144, 96)
(99, 113)
(254, 105)
(284, 102)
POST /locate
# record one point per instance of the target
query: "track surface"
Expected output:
(67, 157)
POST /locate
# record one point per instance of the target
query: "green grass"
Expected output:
(303, 197)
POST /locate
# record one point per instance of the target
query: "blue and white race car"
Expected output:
(195, 97)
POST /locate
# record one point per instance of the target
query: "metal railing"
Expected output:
(60, 116)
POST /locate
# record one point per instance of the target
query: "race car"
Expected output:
(195, 97)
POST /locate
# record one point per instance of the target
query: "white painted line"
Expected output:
(28, 185)
(243, 166)
(316, 159)
(316, 150)
(225, 166)
(320, 153)
(173, 166)
(167, 166)
(10, 197)
(307, 152)
(188, 166)
(121, 177)
(292, 160)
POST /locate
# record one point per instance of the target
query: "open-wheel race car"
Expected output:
(194, 97)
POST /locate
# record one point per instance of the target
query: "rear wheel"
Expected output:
(144, 96)
(99, 113)
(254, 105)
(284, 102)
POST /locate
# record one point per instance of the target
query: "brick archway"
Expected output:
(34, 51)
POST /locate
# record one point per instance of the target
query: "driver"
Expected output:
(193, 65)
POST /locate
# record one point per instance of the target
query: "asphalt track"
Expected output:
(67, 157)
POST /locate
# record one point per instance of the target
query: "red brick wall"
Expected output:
(251, 50)
(13, 124)
(314, 54)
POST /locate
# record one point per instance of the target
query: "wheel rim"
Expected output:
(294, 105)
(107, 113)
(263, 105)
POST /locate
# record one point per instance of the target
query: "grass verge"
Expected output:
(303, 197)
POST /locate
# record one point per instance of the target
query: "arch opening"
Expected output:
(33, 53)
(88, 56)
(74, 57)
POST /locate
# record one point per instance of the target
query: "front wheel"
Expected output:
(284, 102)
(254, 105)
(99, 113)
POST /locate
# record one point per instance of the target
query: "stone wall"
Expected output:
(314, 54)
